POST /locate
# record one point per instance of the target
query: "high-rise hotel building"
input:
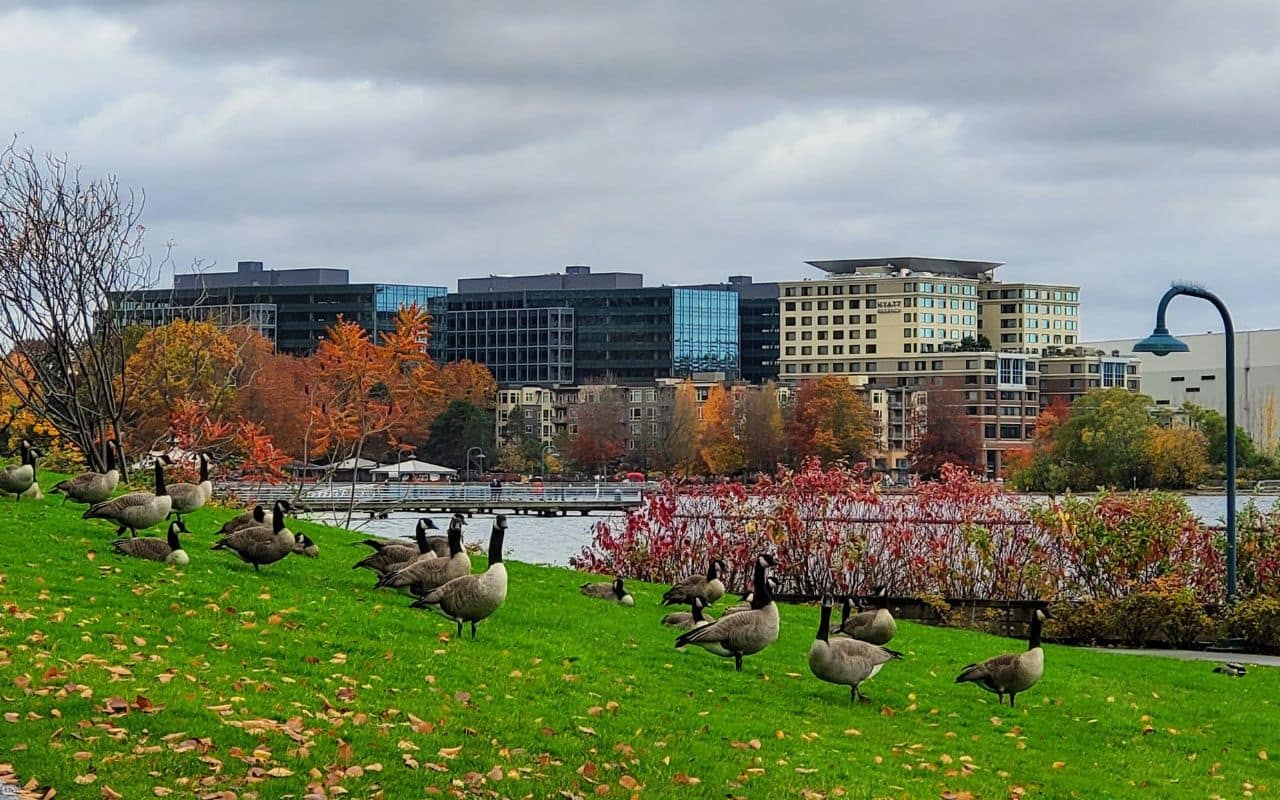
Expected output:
(919, 323)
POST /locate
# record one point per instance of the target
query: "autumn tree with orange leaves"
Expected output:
(830, 421)
(719, 446)
(366, 395)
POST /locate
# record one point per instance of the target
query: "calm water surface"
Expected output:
(553, 540)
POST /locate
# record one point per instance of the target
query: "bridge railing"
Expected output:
(406, 493)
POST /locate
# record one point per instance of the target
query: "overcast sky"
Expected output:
(1114, 145)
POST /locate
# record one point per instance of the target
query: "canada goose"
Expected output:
(92, 487)
(747, 632)
(688, 620)
(1231, 668)
(847, 662)
(137, 510)
(304, 546)
(421, 575)
(188, 497)
(875, 626)
(1010, 673)
(613, 592)
(710, 588)
(19, 478)
(745, 605)
(472, 598)
(149, 547)
(249, 519)
(261, 544)
(391, 556)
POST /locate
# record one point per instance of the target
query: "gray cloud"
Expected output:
(1115, 145)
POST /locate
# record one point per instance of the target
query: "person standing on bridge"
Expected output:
(495, 488)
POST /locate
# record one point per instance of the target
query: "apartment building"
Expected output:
(1029, 317)
(1067, 374)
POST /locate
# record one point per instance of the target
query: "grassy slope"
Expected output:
(535, 694)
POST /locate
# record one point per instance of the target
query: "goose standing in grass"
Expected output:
(18, 479)
(188, 497)
(421, 575)
(93, 487)
(614, 592)
(303, 545)
(390, 556)
(168, 551)
(709, 587)
(847, 662)
(1011, 673)
(473, 598)
(136, 511)
(262, 544)
(249, 519)
(875, 626)
(747, 632)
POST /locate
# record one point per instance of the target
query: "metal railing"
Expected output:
(409, 493)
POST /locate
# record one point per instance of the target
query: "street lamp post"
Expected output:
(1161, 343)
(547, 448)
(470, 450)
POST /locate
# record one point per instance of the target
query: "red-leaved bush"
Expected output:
(960, 537)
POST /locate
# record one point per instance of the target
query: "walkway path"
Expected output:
(1197, 655)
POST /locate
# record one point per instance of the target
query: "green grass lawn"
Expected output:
(303, 681)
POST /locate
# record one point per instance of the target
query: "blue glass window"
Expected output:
(704, 331)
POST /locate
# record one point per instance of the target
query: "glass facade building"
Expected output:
(297, 305)
(518, 345)
(627, 335)
(704, 336)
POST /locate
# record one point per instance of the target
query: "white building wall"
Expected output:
(1200, 377)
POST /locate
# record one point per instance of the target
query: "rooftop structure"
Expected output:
(960, 268)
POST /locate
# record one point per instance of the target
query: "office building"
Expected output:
(1200, 377)
(292, 307)
(584, 327)
(759, 334)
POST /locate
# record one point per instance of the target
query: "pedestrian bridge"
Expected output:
(550, 499)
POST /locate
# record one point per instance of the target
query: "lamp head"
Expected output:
(1161, 343)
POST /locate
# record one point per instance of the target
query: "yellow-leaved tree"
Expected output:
(830, 421)
(718, 443)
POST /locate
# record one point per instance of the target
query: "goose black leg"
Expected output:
(737, 661)
(255, 567)
(853, 693)
(473, 631)
(1013, 696)
(459, 629)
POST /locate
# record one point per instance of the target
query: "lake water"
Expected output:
(554, 540)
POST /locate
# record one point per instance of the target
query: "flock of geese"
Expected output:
(851, 653)
(436, 571)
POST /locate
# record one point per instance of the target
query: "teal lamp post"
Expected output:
(1160, 343)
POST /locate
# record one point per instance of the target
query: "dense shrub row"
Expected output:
(1137, 568)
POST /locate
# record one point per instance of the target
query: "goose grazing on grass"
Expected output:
(136, 511)
(188, 497)
(168, 551)
(390, 556)
(473, 598)
(18, 479)
(304, 546)
(875, 626)
(93, 487)
(421, 575)
(1011, 673)
(709, 587)
(747, 632)
(847, 662)
(261, 544)
(249, 519)
(613, 592)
